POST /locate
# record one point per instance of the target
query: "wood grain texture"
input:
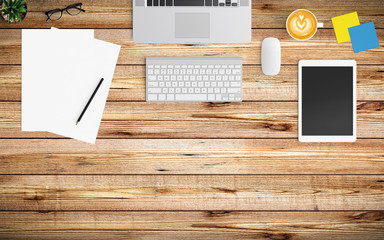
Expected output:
(192, 192)
(128, 83)
(192, 225)
(265, 13)
(198, 156)
(196, 170)
(322, 46)
(198, 120)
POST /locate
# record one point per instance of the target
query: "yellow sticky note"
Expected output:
(341, 25)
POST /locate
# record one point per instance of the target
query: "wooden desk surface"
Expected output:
(196, 170)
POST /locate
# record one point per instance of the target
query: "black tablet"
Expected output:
(327, 101)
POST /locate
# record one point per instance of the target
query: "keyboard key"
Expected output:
(228, 3)
(189, 2)
(152, 97)
(154, 90)
(211, 97)
(152, 78)
(191, 97)
(235, 84)
(153, 84)
(169, 3)
(162, 2)
(236, 71)
(170, 97)
(234, 90)
(208, 3)
(155, 2)
(161, 97)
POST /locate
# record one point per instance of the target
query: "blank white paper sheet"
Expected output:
(60, 71)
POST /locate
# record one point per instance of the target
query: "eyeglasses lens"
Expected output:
(55, 16)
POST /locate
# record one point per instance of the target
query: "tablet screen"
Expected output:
(327, 100)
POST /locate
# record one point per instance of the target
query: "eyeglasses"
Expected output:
(72, 10)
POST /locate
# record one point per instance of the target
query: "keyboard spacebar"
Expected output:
(188, 3)
(191, 97)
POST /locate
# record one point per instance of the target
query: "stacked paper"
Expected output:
(60, 71)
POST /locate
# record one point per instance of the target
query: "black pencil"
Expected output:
(90, 100)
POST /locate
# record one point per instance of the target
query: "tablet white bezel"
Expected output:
(327, 63)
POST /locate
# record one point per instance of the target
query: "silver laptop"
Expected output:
(192, 21)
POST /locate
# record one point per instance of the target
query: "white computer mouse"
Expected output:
(270, 56)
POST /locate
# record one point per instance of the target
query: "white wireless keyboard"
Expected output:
(194, 79)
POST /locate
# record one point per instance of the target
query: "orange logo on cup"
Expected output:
(301, 24)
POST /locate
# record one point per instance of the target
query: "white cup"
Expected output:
(300, 23)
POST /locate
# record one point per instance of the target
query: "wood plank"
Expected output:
(192, 225)
(129, 83)
(198, 120)
(322, 46)
(198, 156)
(265, 13)
(192, 192)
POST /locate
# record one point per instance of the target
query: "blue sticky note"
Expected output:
(363, 37)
